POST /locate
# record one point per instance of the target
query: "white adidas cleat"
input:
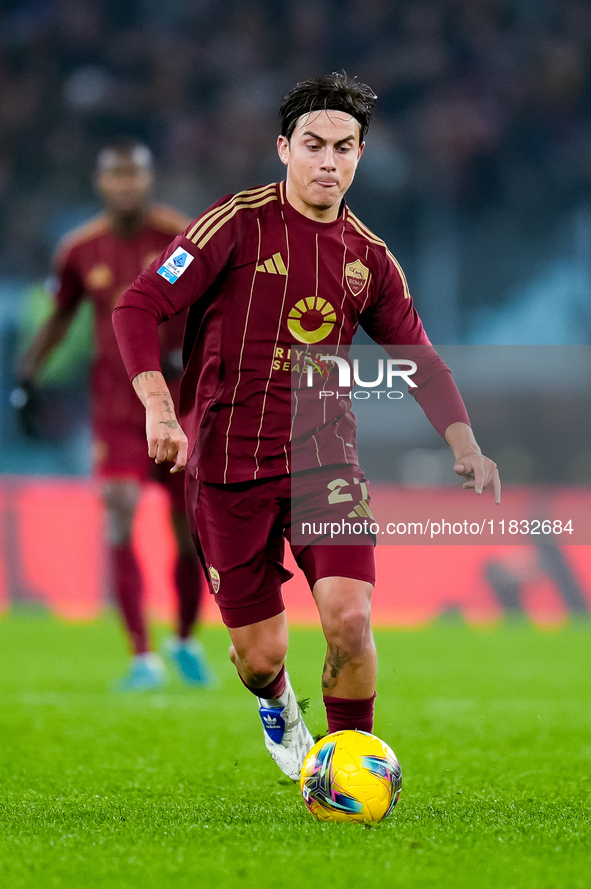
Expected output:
(286, 737)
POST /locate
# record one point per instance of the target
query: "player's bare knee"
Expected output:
(119, 523)
(350, 631)
(119, 528)
(262, 666)
(121, 500)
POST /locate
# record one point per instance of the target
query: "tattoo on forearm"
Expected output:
(166, 409)
(334, 663)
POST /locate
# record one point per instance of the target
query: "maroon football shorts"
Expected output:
(122, 453)
(119, 432)
(240, 531)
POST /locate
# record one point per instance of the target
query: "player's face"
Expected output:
(123, 183)
(321, 158)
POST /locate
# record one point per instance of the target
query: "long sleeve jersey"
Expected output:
(94, 263)
(265, 285)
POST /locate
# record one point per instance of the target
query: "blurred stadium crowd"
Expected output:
(483, 109)
(478, 167)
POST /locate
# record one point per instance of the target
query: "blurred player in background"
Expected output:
(259, 270)
(97, 262)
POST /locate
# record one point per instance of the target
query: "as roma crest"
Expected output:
(356, 274)
(214, 576)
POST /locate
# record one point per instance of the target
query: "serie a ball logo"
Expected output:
(351, 776)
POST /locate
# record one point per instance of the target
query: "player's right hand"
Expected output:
(166, 439)
(24, 400)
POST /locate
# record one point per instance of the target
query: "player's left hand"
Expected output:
(480, 473)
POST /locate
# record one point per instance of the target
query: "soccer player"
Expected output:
(97, 262)
(262, 272)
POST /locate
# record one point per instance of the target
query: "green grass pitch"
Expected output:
(174, 789)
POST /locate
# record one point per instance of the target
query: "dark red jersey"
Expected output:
(94, 263)
(264, 285)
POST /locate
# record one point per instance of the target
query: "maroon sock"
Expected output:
(273, 690)
(347, 713)
(128, 591)
(189, 581)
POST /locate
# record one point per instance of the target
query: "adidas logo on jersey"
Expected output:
(362, 509)
(275, 265)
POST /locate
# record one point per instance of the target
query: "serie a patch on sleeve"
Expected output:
(175, 265)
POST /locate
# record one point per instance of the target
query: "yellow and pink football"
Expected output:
(351, 776)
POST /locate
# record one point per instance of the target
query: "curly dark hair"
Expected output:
(334, 92)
